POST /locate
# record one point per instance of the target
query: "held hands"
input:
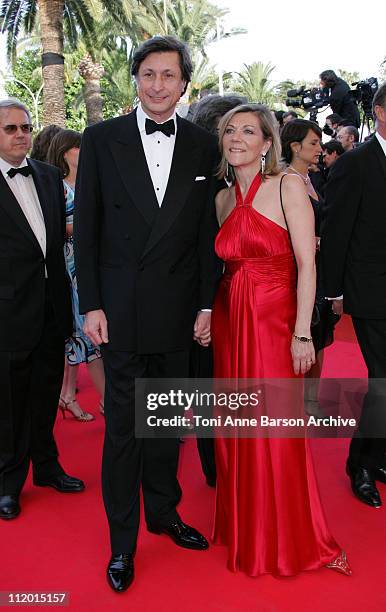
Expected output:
(337, 307)
(95, 327)
(201, 330)
(303, 356)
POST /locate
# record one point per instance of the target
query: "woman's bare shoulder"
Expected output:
(224, 201)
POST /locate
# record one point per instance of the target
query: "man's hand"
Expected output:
(201, 330)
(95, 327)
(337, 307)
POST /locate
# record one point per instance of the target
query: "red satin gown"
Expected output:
(268, 509)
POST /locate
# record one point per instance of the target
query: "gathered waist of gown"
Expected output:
(267, 273)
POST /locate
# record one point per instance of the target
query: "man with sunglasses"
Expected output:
(35, 313)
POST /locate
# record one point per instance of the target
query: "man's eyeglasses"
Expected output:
(26, 128)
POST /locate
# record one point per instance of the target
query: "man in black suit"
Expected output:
(354, 258)
(35, 313)
(144, 232)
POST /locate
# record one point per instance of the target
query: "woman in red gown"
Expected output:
(268, 509)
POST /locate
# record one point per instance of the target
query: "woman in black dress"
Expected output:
(301, 147)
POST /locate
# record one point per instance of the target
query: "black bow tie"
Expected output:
(25, 171)
(167, 128)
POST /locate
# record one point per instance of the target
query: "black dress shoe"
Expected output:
(363, 486)
(62, 483)
(120, 572)
(9, 506)
(182, 535)
(380, 474)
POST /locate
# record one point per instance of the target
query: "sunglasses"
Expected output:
(26, 128)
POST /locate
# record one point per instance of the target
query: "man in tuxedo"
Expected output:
(35, 313)
(354, 260)
(144, 233)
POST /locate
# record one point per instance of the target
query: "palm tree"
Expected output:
(18, 14)
(195, 22)
(134, 20)
(254, 83)
(58, 19)
(92, 72)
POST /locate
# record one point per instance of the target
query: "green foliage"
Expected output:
(76, 117)
(349, 77)
(27, 69)
(254, 83)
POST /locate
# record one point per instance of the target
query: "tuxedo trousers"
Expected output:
(201, 366)
(30, 383)
(130, 463)
(368, 446)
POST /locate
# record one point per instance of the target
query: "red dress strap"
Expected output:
(253, 189)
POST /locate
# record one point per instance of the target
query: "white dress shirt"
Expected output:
(24, 190)
(159, 151)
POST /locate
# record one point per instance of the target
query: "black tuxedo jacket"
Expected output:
(353, 247)
(22, 264)
(149, 268)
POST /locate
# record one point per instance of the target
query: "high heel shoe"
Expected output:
(340, 564)
(81, 416)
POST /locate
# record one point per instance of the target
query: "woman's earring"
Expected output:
(262, 163)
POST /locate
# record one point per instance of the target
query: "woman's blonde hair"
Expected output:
(268, 126)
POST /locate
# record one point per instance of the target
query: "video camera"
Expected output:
(307, 99)
(364, 94)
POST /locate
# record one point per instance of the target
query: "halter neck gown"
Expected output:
(268, 509)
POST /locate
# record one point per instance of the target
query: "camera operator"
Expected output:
(340, 99)
(348, 136)
(332, 123)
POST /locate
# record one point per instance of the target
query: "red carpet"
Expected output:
(60, 542)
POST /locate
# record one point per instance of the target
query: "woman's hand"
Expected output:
(303, 356)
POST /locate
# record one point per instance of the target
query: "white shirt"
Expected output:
(159, 151)
(381, 141)
(24, 190)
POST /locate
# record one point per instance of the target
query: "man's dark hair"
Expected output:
(164, 44)
(296, 131)
(334, 118)
(380, 98)
(333, 146)
(290, 113)
(329, 77)
(279, 114)
(210, 109)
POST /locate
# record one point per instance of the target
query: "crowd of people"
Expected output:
(219, 245)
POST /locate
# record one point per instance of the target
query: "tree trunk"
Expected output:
(51, 27)
(92, 73)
